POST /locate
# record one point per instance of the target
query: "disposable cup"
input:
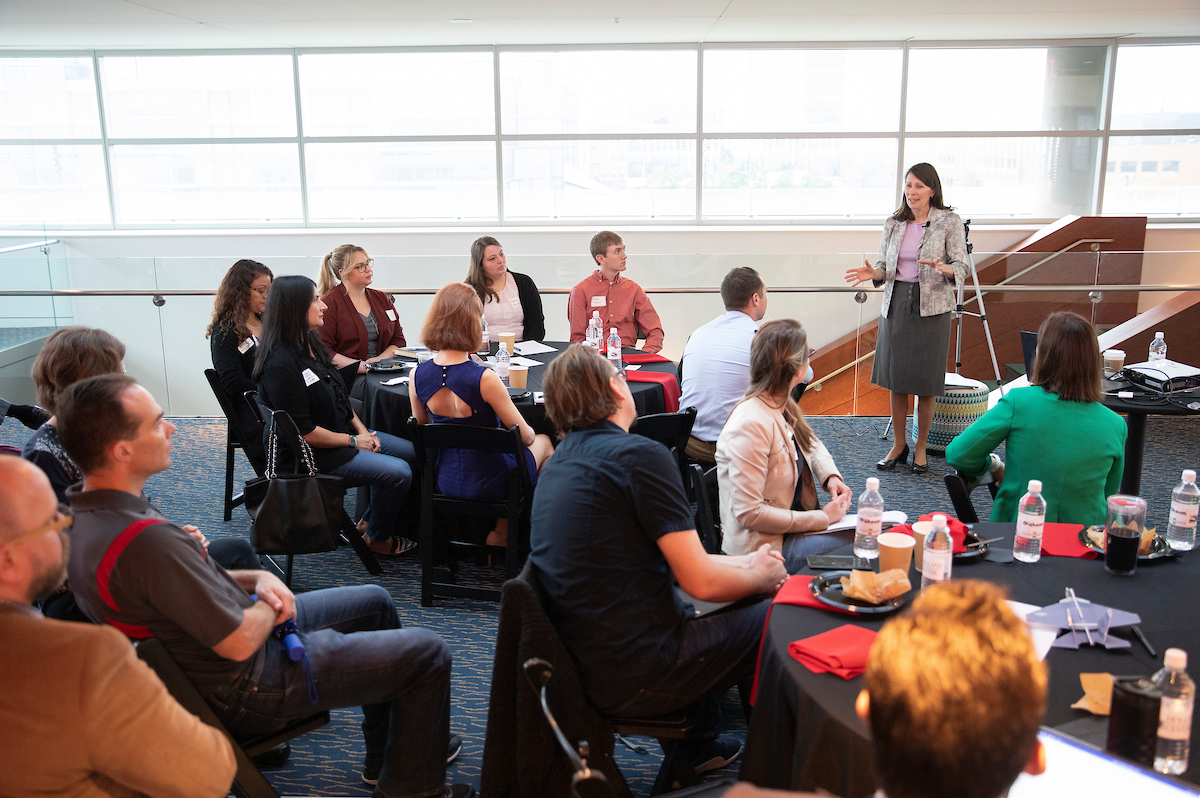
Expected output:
(920, 530)
(895, 551)
(1114, 361)
(509, 340)
(517, 376)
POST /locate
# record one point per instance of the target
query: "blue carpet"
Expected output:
(327, 761)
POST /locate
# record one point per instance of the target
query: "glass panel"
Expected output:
(1025, 88)
(1157, 175)
(771, 178)
(598, 91)
(190, 183)
(48, 98)
(749, 91)
(1042, 178)
(199, 96)
(407, 181)
(1156, 87)
(397, 94)
(653, 179)
(53, 183)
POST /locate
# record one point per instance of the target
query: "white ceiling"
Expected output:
(99, 24)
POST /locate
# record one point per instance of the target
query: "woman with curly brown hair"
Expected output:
(234, 335)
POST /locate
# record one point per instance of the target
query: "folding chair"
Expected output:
(671, 430)
(233, 441)
(960, 494)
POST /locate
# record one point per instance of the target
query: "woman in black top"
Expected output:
(511, 302)
(235, 334)
(295, 374)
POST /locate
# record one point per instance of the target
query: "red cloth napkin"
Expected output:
(1062, 540)
(842, 651)
(644, 357)
(958, 530)
(669, 384)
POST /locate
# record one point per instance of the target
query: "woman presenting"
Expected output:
(511, 303)
(922, 257)
(361, 324)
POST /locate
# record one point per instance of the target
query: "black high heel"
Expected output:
(890, 464)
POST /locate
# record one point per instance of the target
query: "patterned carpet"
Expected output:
(327, 762)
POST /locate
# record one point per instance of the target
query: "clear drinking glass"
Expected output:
(1123, 533)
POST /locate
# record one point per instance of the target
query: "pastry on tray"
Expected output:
(875, 588)
(1096, 535)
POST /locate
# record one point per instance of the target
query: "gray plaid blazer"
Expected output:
(944, 237)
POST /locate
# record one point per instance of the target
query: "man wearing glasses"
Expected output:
(79, 712)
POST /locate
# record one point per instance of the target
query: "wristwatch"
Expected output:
(353, 441)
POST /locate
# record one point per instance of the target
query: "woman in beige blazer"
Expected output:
(769, 462)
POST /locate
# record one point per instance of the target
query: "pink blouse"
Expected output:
(906, 259)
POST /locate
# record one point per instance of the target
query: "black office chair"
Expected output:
(249, 781)
(707, 524)
(233, 441)
(428, 439)
(671, 430)
(960, 489)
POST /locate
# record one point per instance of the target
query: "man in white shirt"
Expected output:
(716, 360)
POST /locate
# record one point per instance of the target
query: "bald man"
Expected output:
(80, 714)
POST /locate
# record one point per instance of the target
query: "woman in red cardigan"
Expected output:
(361, 323)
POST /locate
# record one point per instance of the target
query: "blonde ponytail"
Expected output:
(332, 265)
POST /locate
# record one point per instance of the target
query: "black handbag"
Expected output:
(296, 513)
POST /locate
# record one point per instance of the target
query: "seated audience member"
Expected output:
(1055, 430)
(295, 374)
(611, 529)
(234, 336)
(362, 324)
(80, 714)
(715, 367)
(70, 354)
(622, 302)
(31, 416)
(954, 694)
(453, 389)
(769, 462)
(511, 302)
(136, 570)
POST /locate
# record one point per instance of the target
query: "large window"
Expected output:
(731, 133)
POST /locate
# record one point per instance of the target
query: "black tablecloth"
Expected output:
(387, 407)
(805, 734)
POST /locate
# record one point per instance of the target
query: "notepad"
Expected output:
(533, 348)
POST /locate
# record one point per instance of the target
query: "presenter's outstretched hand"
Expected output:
(861, 274)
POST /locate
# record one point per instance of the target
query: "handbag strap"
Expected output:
(300, 448)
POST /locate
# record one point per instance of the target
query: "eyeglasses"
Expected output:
(362, 267)
(63, 518)
(260, 291)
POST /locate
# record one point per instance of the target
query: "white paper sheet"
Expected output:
(1043, 636)
(632, 366)
(532, 348)
(850, 521)
(517, 360)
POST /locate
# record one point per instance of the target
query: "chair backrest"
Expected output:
(672, 430)
(960, 495)
(428, 439)
(214, 382)
(227, 407)
(705, 524)
(585, 782)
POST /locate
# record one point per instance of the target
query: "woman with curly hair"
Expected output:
(234, 335)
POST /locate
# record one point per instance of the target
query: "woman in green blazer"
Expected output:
(1056, 430)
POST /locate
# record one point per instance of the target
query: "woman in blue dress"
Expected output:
(452, 388)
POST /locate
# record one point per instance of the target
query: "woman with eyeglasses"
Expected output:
(234, 336)
(769, 462)
(361, 324)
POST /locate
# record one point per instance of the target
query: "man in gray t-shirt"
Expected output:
(146, 576)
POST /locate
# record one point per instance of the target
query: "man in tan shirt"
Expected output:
(620, 301)
(80, 714)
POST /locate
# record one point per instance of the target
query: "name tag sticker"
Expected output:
(599, 301)
(391, 314)
(516, 302)
(309, 377)
(244, 346)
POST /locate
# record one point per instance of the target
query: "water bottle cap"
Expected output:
(872, 483)
(1189, 475)
(1035, 486)
(939, 521)
(1176, 659)
(1159, 335)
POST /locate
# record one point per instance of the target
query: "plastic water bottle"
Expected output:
(1185, 501)
(502, 359)
(1158, 347)
(870, 521)
(938, 558)
(614, 351)
(594, 331)
(1031, 518)
(483, 344)
(1175, 714)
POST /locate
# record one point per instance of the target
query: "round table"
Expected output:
(387, 407)
(804, 733)
(1143, 403)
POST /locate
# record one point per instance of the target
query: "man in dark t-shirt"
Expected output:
(611, 526)
(132, 568)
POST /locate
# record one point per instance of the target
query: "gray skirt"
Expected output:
(911, 351)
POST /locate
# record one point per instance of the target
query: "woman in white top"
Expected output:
(769, 462)
(511, 303)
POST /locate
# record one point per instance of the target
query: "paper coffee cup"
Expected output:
(1114, 360)
(517, 376)
(509, 340)
(895, 551)
(920, 530)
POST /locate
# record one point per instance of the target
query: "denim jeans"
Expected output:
(797, 547)
(715, 653)
(359, 656)
(390, 473)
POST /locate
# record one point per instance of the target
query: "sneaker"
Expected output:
(373, 764)
(273, 758)
(715, 754)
